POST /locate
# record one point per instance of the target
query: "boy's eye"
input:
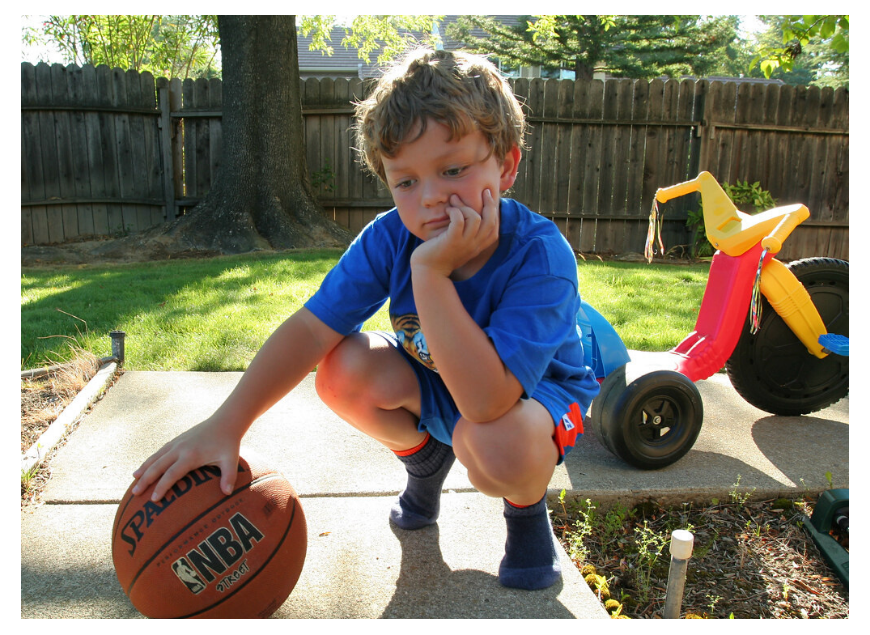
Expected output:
(401, 185)
(454, 171)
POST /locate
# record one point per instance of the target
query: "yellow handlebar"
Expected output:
(773, 241)
(665, 194)
(730, 230)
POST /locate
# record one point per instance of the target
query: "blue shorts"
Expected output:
(439, 414)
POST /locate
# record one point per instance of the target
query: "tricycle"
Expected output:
(781, 331)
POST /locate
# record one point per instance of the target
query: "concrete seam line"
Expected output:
(56, 431)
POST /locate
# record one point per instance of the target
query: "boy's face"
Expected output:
(426, 172)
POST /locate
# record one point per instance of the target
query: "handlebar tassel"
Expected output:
(655, 228)
(755, 303)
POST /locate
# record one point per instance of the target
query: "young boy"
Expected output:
(485, 362)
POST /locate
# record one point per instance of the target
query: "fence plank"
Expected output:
(342, 153)
(79, 150)
(189, 140)
(203, 138)
(819, 168)
(779, 180)
(34, 220)
(138, 159)
(177, 137)
(564, 110)
(327, 138)
(837, 191)
(609, 231)
(95, 161)
(532, 192)
(683, 146)
(313, 129)
(550, 179)
(170, 211)
(63, 147)
(50, 167)
(637, 165)
(592, 141)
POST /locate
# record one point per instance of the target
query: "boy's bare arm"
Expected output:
(479, 382)
(481, 385)
(291, 352)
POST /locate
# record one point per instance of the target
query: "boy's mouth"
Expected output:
(437, 223)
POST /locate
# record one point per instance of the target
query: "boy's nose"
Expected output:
(433, 194)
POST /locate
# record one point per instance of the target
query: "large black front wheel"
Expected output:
(648, 419)
(773, 370)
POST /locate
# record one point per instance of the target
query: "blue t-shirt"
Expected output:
(525, 299)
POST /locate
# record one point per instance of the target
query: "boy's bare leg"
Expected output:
(514, 458)
(368, 384)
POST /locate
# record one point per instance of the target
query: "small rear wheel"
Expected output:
(772, 369)
(648, 419)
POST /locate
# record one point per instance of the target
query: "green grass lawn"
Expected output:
(214, 314)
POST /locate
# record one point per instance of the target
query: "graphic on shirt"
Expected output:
(407, 329)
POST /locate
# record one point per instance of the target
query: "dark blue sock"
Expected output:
(427, 467)
(530, 560)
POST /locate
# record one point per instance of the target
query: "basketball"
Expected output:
(198, 553)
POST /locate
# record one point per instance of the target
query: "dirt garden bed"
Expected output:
(750, 560)
(43, 399)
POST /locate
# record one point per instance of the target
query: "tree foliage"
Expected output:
(388, 35)
(636, 46)
(168, 45)
(815, 46)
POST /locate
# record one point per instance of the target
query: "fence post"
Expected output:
(170, 210)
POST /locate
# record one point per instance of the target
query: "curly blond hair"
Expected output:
(465, 92)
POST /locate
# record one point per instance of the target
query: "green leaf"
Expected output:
(840, 43)
(768, 66)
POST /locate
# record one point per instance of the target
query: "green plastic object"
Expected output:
(832, 503)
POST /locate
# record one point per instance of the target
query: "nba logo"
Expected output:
(188, 575)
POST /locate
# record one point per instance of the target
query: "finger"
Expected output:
(471, 218)
(489, 213)
(152, 473)
(228, 476)
(171, 476)
(457, 220)
(147, 473)
(493, 205)
(147, 463)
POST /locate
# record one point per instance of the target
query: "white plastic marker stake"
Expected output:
(681, 550)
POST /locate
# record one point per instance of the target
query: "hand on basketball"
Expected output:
(468, 234)
(203, 444)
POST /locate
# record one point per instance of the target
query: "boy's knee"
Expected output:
(365, 370)
(507, 459)
(338, 372)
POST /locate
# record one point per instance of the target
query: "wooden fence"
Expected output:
(106, 151)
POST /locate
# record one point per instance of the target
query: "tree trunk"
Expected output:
(582, 71)
(262, 196)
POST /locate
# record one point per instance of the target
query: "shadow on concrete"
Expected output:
(426, 585)
(811, 447)
(45, 593)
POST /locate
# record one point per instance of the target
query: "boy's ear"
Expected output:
(509, 168)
